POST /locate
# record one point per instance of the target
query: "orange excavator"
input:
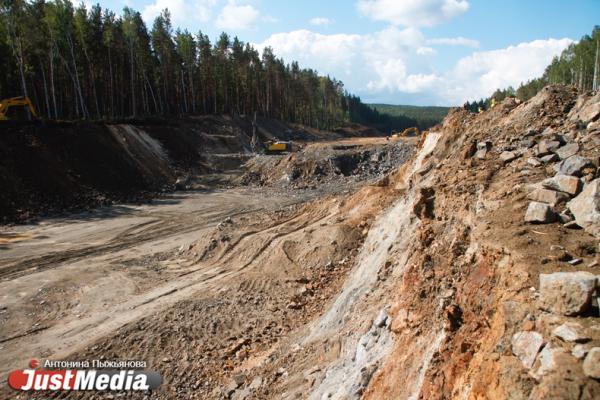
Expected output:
(17, 108)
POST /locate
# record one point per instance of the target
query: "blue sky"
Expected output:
(425, 52)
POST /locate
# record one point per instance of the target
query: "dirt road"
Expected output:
(68, 281)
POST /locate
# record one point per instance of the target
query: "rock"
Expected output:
(549, 158)
(564, 183)
(292, 305)
(567, 151)
(382, 319)
(589, 111)
(256, 383)
(526, 345)
(534, 162)
(232, 385)
(567, 293)
(487, 145)
(400, 321)
(586, 208)
(591, 364)
(507, 156)
(580, 350)
(547, 147)
(575, 261)
(242, 394)
(551, 197)
(573, 165)
(482, 149)
(539, 213)
(239, 379)
(550, 359)
(570, 332)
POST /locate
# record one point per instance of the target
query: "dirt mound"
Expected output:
(54, 167)
(329, 162)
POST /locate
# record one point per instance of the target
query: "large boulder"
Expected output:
(571, 332)
(573, 165)
(567, 293)
(547, 146)
(567, 151)
(591, 364)
(587, 109)
(539, 213)
(547, 196)
(586, 208)
(526, 345)
(564, 183)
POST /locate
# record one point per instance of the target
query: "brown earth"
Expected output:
(407, 285)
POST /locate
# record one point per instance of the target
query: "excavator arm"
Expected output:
(22, 101)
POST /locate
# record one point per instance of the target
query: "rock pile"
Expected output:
(571, 195)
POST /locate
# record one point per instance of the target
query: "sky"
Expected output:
(421, 52)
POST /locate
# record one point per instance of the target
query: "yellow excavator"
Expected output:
(17, 103)
(277, 147)
(412, 131)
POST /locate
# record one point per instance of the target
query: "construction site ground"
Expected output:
(460, 265)
(200, 284)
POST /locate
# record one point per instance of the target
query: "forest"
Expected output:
(79, 63)
(425, 116)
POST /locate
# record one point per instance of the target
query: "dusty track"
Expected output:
(66, 282)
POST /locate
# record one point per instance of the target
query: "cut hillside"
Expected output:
(60, 166)
(454, 294)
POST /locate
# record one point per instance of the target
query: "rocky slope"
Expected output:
(489, 283)
(480, 281)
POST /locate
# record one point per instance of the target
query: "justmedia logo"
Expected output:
(82, 379)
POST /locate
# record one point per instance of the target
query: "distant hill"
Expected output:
(426, 117)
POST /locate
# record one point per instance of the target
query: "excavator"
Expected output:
(412, 131)
(22, 103)
(278, 147)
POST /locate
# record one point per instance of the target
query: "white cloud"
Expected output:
(412, 12)
(480, 73)
(396, 64)
(456, 41)
(392, 76)
(182, 11)
(320, 21)
(425, 51)
(363, 62)
(237, 17)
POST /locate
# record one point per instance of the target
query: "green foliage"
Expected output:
(423, 117)
(80, 63)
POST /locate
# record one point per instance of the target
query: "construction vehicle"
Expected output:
(413, 131)
(17, 108)
(275, 147)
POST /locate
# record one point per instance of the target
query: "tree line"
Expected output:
(76, 63)
(578, 65)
